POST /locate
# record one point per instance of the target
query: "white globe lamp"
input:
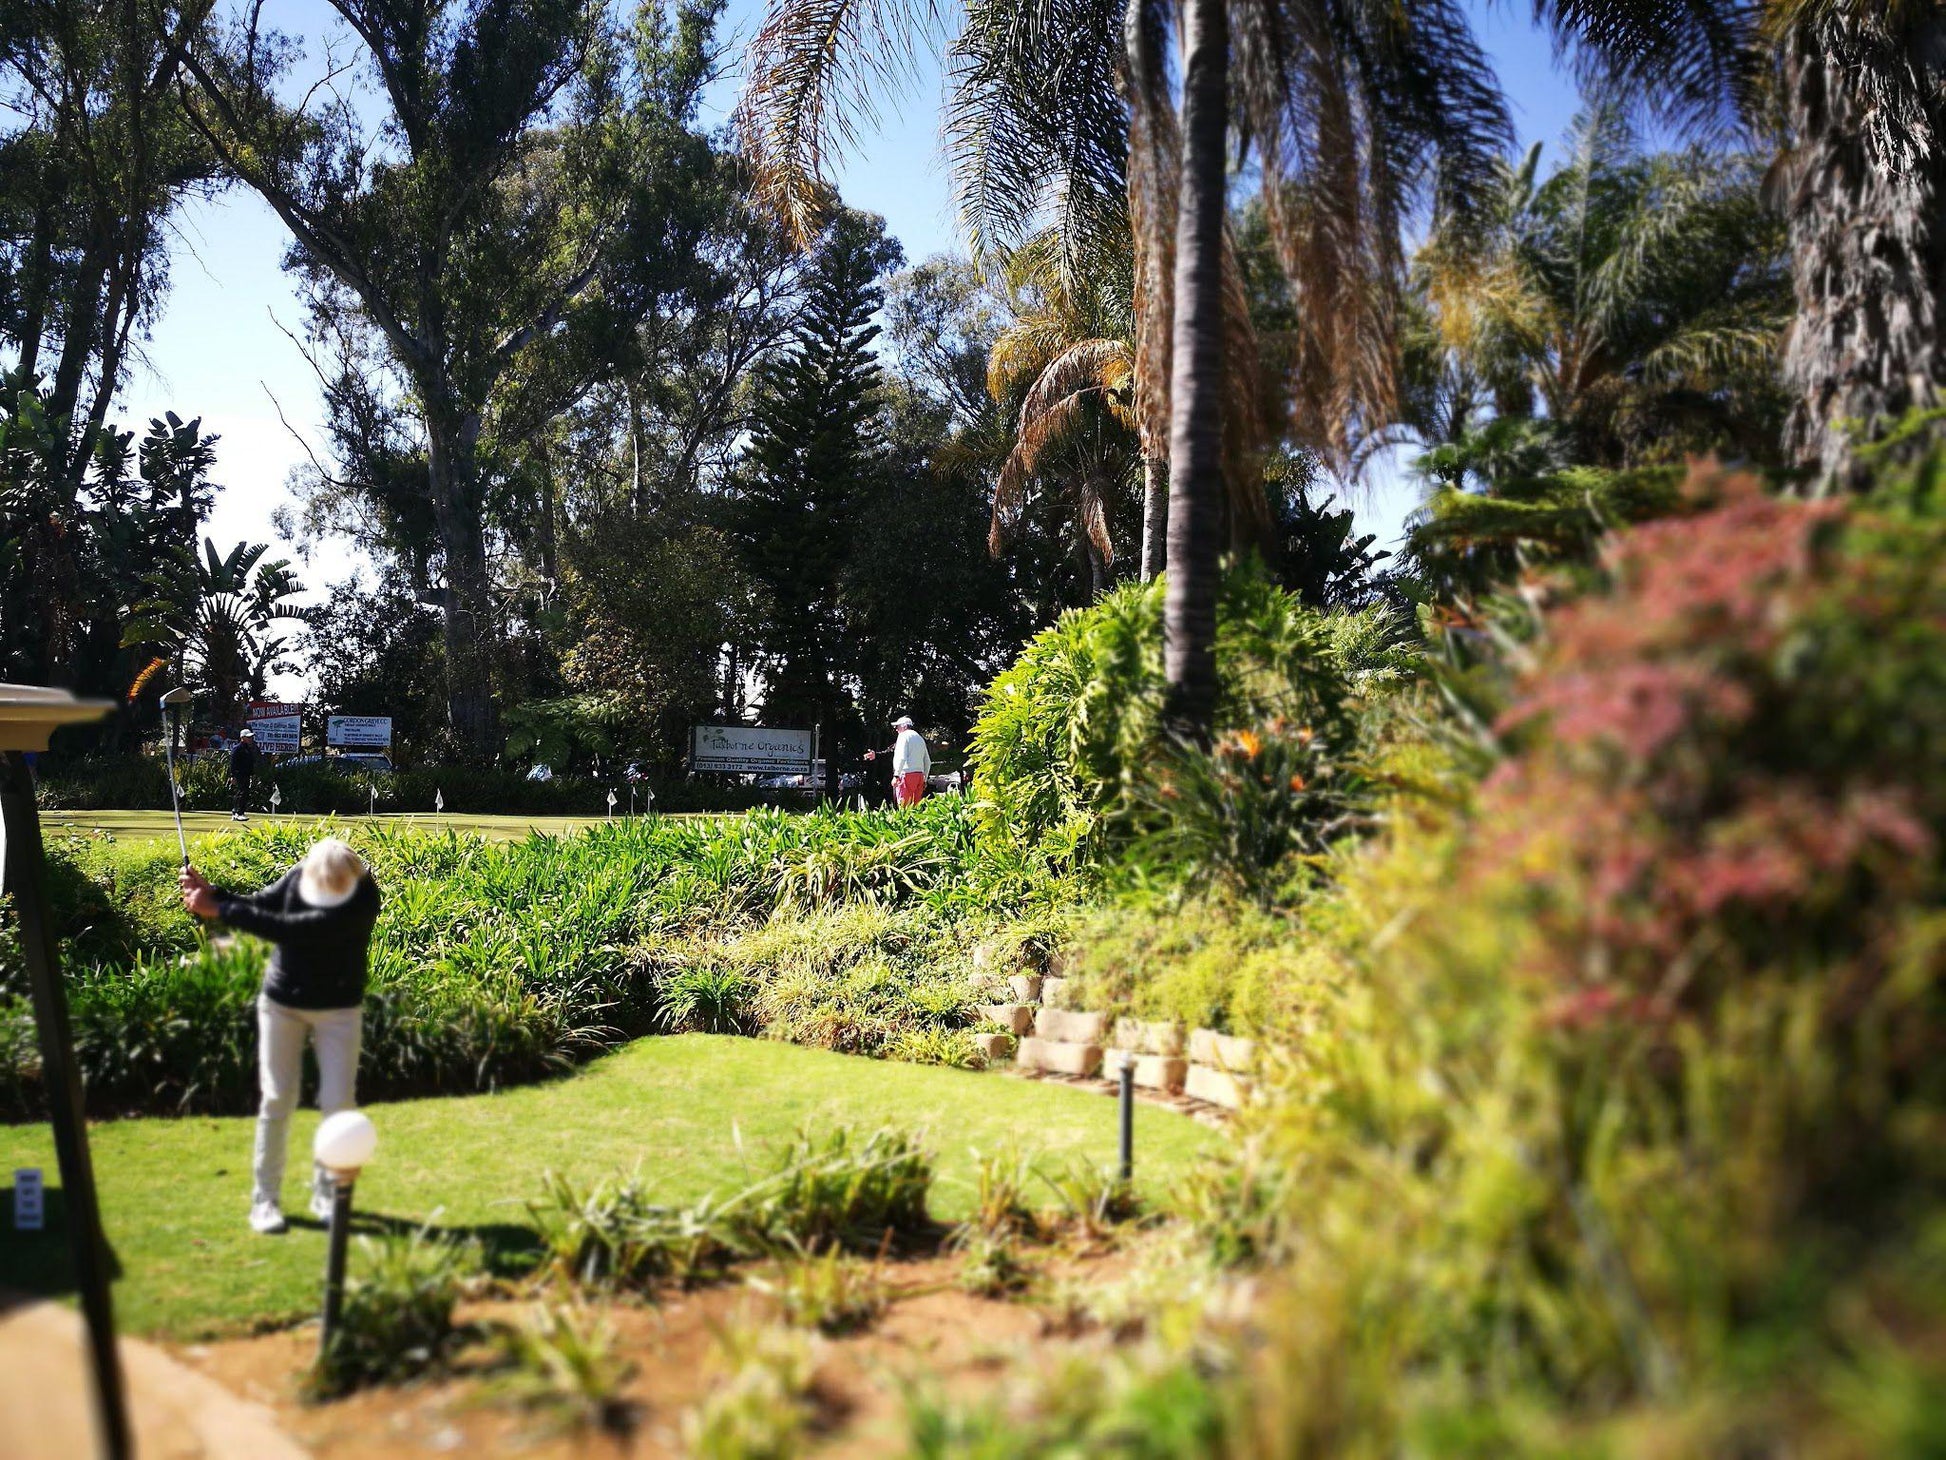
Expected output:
(345, 1142)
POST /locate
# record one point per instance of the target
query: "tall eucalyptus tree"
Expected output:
(494, 223)
(94, 156)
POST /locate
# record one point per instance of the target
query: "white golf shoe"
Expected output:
(267, 1219)
(321, 1204)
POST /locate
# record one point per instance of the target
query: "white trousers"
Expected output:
(281, 1032)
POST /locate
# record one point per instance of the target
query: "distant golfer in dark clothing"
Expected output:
(243, 765)
(319, 915)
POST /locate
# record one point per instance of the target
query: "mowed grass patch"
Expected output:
(175, 1192)
(161, 826)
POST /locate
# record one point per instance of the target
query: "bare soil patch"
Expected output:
(931, 1333)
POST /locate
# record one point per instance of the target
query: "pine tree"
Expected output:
(816, 449)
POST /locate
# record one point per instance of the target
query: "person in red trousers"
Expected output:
(911, 762)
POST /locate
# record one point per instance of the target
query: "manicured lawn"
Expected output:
(175, 1192)
(140, 825)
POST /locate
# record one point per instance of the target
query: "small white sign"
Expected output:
(29, 1207)
(359, 732)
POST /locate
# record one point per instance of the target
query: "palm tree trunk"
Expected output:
(1868, 238)
(1196, 393)
(1155, 517)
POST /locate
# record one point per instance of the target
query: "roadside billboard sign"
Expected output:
(750, 748)
(277, 726)
(359, 732)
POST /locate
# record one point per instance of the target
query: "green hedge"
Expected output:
(141, 783)
(500, 962)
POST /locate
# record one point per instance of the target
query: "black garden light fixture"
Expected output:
(28, 716)
(343, 1146)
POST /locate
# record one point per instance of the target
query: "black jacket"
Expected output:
(243, 760)
(320, 954)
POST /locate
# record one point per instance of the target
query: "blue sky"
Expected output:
(219, 349)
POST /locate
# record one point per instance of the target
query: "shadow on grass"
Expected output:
(40, 1264)
(507, 1249)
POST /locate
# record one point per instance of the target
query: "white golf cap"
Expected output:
(904, 722)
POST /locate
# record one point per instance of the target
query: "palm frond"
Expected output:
(818, 72)
(1692, 61)
(1359, 114)
(1037, 134)
(1706, 353)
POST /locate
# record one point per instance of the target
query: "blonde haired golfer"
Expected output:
(319, 917)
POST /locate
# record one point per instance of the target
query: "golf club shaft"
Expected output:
(175, 798)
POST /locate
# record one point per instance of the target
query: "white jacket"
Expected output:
(909, 754)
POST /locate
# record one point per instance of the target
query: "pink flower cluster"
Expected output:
(1666, 837)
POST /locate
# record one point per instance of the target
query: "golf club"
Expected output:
(175, 700)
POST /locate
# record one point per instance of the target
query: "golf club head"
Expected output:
(181, 695)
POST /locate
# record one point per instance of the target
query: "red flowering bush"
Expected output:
(1733, 761)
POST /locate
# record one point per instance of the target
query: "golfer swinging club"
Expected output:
(910, 762)
(319, 915)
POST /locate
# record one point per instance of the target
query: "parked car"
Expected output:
(356, 760)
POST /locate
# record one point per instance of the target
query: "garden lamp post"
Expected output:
(28, 716)
(343, 1146)
(1126, 1094)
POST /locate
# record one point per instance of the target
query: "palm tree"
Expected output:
(1078, 418)
(1639, 298)
(1854, 91)
(1355, 110)
(1061, 373)
(218, 619)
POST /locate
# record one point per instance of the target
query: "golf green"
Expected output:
(696, 1113)
(146, 825)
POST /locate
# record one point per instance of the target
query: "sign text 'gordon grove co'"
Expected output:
(359, 732)
(750, 748)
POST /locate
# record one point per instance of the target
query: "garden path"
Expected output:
(178, 1414)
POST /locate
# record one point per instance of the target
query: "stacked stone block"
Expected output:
(1152, 1050)
(1220, 1068)
(1065, 1042)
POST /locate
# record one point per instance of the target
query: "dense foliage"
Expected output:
(1603, 1113)
(495, 964)
(1066, 733)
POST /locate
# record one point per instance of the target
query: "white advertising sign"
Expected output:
(749, 748)
(277, 734)
(359, 732)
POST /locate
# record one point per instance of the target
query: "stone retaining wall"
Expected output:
(1042, 1034)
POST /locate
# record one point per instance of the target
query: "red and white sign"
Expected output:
(277, 726)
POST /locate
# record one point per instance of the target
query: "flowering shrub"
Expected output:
(1611, 1118)
(1248, 814)
(1737, 760)
(1061, 733)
